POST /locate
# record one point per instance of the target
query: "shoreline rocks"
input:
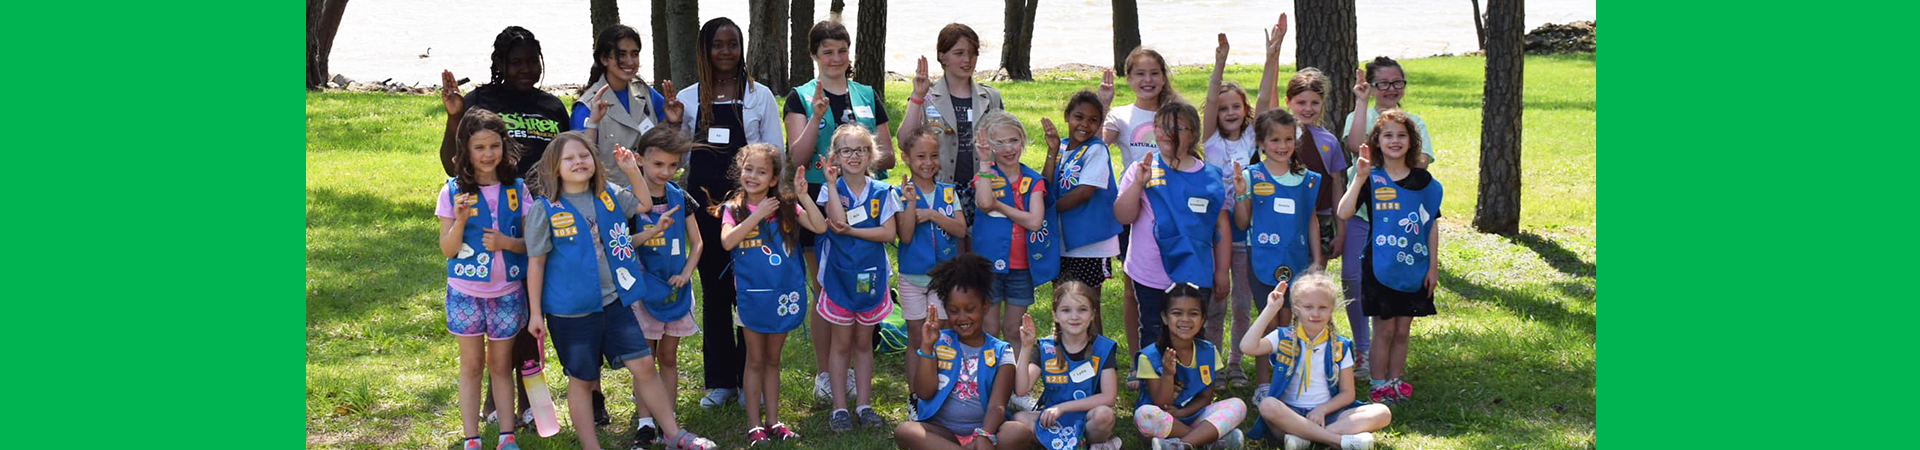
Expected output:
(1574, 37)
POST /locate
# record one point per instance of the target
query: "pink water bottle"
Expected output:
(544, 418)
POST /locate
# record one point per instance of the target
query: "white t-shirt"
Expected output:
(1136, 132)
(888, 206)
(1223, 153)
(1095, 170)
(1317, 391)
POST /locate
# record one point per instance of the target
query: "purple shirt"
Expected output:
(1143, 253)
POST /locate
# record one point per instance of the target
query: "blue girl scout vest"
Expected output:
(1402, 221)
(1064, 380)
(1284, 361)
(1093, 221)
(947, 361)
(769, 281)
(662, 257)
(858, 275)
(1185, 206)
(573, 276)
(1188, 381)
(860, 98)
(930, 244)
(474, 261)
(993, 233)
(1278, 230)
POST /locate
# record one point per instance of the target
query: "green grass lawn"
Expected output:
(1509, 361)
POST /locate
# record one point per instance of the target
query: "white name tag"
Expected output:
(997, 215)
(676, 247)
(719, 136)
(1197, 204)
(863, 111)
(626, 279)
(1283, 205)
(1081, 373)
(856, 215)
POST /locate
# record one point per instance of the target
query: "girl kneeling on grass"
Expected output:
(1312, 394)
(1177, 408)
(479, 210)
(1398, 271)
(1077, 374)
(584, 277)
(964, 408)
(758, 225)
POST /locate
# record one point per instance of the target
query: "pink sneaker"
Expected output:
(757, 436)
(1383, 394)
(1403, 390)
(781, 432)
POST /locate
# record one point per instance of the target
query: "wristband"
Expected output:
(982, 433)
(923, 354)
(1243, 197)
(917, 100)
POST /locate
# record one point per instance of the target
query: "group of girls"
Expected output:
(554, 228)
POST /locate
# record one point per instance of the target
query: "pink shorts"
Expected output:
(654, 329)
(837, 315)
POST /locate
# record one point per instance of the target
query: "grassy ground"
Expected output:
(1509, 362)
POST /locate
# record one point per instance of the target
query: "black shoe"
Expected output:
(600, 409)
(644, 438)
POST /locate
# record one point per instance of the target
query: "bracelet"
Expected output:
(1243, 197)
(589, 125)
(923, 354)
(991, 439)
(916, 100)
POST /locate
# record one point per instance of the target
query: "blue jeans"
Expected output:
(1014, 288)
(1149, 302)
(612, 334)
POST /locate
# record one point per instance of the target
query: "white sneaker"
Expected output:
(1362, 441)
(1291, 442)
(820, 387)
(1169, 444)
(1232, 440)
(853, 386)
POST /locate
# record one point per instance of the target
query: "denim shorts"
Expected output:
(612, 335)
(1014, 287)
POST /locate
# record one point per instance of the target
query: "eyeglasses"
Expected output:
(1005, 143)
(1383, 85)
(860, 149)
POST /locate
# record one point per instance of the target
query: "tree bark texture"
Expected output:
(1497, 210)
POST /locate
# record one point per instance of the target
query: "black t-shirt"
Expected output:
(1073, 358)
(533, 118)
(963, 136)
(839, 104)
(707, 166)
(1416, 179)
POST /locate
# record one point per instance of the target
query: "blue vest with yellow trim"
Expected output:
(1185, 206)
(1402, 222)
(858, 96)
(1188, 381)
(858, 275)
(948, 363)
(1283, 362)
(572, 283)
(1059, 385)
(664, 256)
(930, 244)
(993, 236)
(1282, 216)
(769, 281)
(474, 261)
(1092, 222)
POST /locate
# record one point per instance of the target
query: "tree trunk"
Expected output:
(800, 67)
(1479, 28)
(323, 22)
(683, 28)
(1013, 56)
(1026, 35)
(1498, 208)
(662, 54)
(605, 14)
(1126, 33)
(870, 51)
(767, 40)
(1328, 42)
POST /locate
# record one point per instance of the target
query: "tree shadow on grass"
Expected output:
(1562, 259)
(383, 247)
(1524, 304)
(1492, 387)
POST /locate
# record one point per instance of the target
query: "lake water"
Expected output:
(379, 39)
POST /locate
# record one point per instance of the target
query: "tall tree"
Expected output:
(662, 53)
(767, 43)
(1126, 32)
(1328, 41)
(1497, 210)
(870, 48)
(800, 67)
(1479, 28)
(605, 13)
(1018, 55)
(323, 22)
(683, 28)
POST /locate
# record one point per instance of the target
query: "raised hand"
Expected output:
(1363, 162)
(766, 207)
(1026, 328)
(1239, 181)
(920, 81)
(1053, 138)
(597, 105)
(1169, 361)
(930, 330)
(626, 159)
(675, 111)
(463, 206)
(1220, 51)
(820, 103)
(1360, 87)
(493, 240)
(909, 193)
(832, 170)
(800, 183)
(666, 218)
(450, 94)
(1277, 35)
(1106, 88)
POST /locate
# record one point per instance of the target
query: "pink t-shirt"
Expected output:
(498, 286)
(1143, 253)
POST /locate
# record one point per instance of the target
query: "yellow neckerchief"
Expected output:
(1306, 358)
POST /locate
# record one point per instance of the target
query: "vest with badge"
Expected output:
(664, 256)
(930, 244)
(1285, 361)
(1063, 380)
(768, 279)
(1282, 218)
(573, 274)
(1185, 206)
(859, 99)
(992, 234)
(1092, 222)
(858, 275)
(1188, 381)
(474, 262)
(947, 362)
(1402, 221)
